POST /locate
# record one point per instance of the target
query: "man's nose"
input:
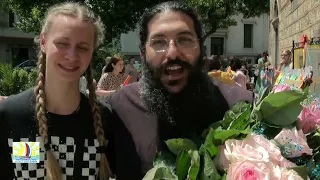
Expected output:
(172, 51)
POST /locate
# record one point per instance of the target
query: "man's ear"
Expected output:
(142, 53)
(42, 42)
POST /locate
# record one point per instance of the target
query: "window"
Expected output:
(11, 19)
(217, 44)
(248, 36)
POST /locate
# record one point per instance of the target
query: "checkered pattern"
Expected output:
(91, 159)
(63, 149)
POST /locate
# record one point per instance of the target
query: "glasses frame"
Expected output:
(175, 41)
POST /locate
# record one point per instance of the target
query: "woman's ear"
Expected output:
(42, 42)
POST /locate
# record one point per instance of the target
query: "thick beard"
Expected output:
(166, 105)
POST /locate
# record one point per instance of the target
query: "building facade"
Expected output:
(289, 20)
(15, 46)
(248, 39)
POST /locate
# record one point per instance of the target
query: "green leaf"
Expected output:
(176, 145)
(242, 121)
(239, 107)
(183, 164)
(163, 158)
(235, 118)
(195, 165)
(208, 145)
(313, 138)
(208, 171)
(282, 108)
(226, 134)
(159, 173)
(301, 170)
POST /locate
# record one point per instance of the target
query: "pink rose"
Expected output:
(241, 150)
(247, 170)
(280, 88)
(254, 147)
(308, 119)
(294, 142)
(289, 175)
(273, 150)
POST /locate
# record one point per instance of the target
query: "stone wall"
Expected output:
(295, 17)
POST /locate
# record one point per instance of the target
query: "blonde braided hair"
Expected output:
(53, 170)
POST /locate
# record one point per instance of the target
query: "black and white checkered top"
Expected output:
(71, 138)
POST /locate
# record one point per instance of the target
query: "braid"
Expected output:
(104, 169)
(53, 171)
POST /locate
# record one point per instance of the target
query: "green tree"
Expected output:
(121, 16)
(217, 14)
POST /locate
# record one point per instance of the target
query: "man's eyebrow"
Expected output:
(157, 35)
(186, 32)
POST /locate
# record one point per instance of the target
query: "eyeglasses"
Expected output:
(182, 43)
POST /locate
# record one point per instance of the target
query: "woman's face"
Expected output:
(68, 47)
(118, 67)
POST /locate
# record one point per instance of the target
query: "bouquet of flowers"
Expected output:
(222, 76)
(277, 138)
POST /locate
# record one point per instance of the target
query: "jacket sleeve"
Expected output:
(6, 171)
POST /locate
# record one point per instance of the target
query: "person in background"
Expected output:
(285, 63)
(214, 63)
(267, 76)
(285, 60)
(131, 70)
(112, 78)
(250, 69)
(224, 63)
(260, 67)
(240, 78)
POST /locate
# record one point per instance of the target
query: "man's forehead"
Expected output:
(171, 24)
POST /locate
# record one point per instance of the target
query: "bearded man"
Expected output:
(173, 99)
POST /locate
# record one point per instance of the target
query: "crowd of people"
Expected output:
(246, 75)
(80, 137)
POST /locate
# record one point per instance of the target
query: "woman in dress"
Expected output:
(66, 124)
(260, 67)
(113, 77)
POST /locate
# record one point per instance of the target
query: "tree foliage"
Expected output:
(121, 16)
(217, 14)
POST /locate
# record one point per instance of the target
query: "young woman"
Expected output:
(66, 123)
(112, 78)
